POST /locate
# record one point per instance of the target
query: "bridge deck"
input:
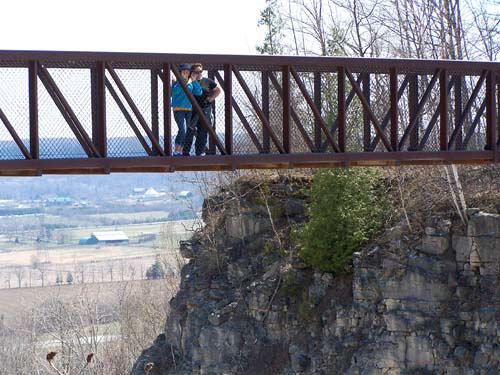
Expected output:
(84, 112)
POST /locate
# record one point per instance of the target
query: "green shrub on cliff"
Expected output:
(346, 210)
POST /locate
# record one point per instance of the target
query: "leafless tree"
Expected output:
(42, 270)
(110, 266)
(20, 273)
(8, 276)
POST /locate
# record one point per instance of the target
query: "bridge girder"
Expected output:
(90, 112)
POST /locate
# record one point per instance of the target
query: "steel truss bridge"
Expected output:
(85, 112)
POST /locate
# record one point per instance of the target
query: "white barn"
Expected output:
(115, 236)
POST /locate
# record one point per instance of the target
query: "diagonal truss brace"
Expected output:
(294, 115)
(258, 110)
(419, 109)
(243, 120)
(315, 110)
(127, 116)
(473, 126)
(434, 118)
(135, 110)
(67, 112)
(387, 116)
(347, 103)
(467, 108)
(14, 135)
(368, 109)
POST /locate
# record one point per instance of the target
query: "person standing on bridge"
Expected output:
(210, 91)
(181, 105)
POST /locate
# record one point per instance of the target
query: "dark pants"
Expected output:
(182, 119)
(201, 133)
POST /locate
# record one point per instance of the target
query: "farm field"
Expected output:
(72, 235)
(41, 264)
(135, 216)
(16, 300)
(173, 228)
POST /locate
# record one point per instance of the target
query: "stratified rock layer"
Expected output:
(411, 307)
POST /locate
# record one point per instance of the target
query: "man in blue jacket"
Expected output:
(181, 105)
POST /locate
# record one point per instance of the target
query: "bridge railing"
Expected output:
(81, 105)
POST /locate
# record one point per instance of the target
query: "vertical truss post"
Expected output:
(94, 104)
(393, 89)
(266, 140)
(490, 113)
(33, 107)
(366, 118)
(285, 76)
(413, 111)
(228, 103)
(167, 116)
(341, 107)
(443, 111)
(99, 127)
(317, 103)
(211, 144)
(154, 106)
(458, 112)
(498, 112)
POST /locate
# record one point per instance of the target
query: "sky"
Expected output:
(193, 26)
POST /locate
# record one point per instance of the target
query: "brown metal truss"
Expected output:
(241, 116)
(67, 112)
(271, 108)
(14, 135)
(294, 115)
(134, 108)
(260, 113)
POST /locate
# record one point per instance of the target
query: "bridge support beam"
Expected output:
(413, 111)
(33, 105)
(285, 73)
(443, 113)
(367, 137)
(317, 103)
(98, 99)
(491, 115)
(266, 140)
(167, 117)
(341, 107)
(228, 99)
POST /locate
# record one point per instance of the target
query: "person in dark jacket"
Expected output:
(210, 91)
(181, 105)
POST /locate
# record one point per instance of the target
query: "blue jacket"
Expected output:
(180, 101)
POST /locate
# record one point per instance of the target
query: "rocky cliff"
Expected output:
(415, 304)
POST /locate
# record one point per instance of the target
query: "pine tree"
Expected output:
(270, 18)
(155, 271)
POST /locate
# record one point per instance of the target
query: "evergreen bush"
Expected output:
(347, 208)
(155, 271)
(69, 278)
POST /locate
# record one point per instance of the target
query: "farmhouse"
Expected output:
(185, 194)
(116, 236)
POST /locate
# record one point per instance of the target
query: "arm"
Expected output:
(196, 88)
(176, 88)
(215, 93)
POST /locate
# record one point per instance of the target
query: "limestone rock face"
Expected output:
(428, 305)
